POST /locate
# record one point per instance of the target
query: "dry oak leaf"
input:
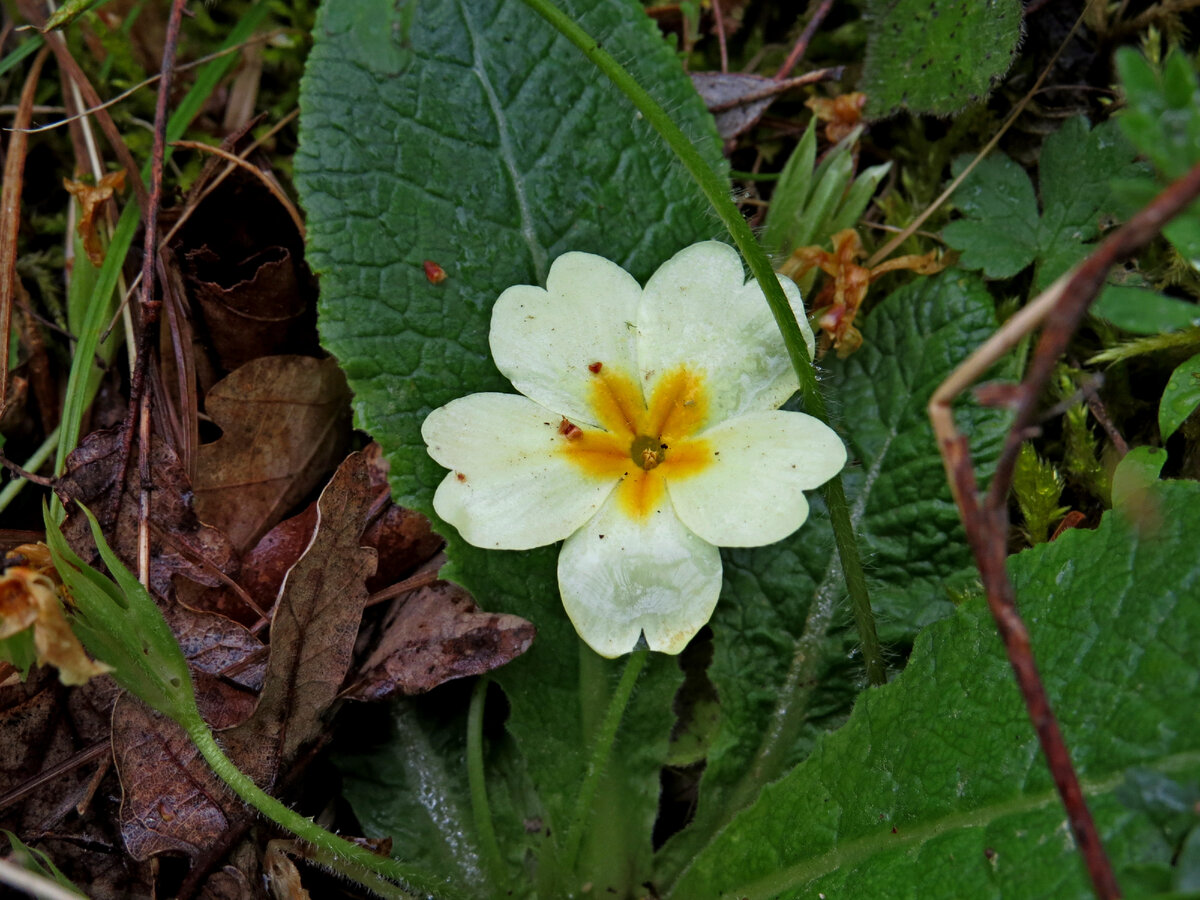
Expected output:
(172, 801)
(286, 423)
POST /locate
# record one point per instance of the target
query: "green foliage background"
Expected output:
(469, 134)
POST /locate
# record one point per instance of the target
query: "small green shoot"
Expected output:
(1038, 488)
(809, 206)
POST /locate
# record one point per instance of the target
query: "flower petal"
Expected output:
(752, 493)
(621, 578)
(512, 487)
(544, 340)
(699, 311)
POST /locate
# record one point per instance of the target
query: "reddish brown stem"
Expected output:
(1077, 296)
(986, 523)
(10, 215)
(719, 22)
(139, 397)
(802, 42)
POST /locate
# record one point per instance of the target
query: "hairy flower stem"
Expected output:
(602, 745)
(382, 875)
(717, 193)
(476, 778)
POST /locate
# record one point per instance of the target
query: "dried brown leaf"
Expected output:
(179, 542)
(286, 421)
(173, 802)
(250, 310)
(315, 622)
(44, 726)
(722, 92)
(435, 635)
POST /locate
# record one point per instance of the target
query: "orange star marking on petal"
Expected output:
(641, 444)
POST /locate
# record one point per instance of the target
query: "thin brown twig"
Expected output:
(1100, 414)
(1146, 18)
(1062, 306)
(802, 42)
(23, 473)
(770, 89)
(139, 399)
(31, 784)
(423, 577)
(719, 21)
(10, 217)
(268, 183)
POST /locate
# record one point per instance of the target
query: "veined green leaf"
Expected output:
(783, 666)
(937, 781)
(473, 136)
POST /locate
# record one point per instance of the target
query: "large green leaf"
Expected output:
(469, 134)
(937, 57)
(783, 664)
(936, 787)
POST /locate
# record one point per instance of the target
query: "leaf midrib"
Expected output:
(537, 252)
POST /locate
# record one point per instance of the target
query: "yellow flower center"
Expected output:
(642, 444)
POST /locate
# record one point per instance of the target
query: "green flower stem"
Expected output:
(381, 874)
(717, 193)
(602, 745)
(493, 859)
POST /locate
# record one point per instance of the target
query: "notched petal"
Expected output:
(622, 577)
(546, 341)
(511, 485)
(752, 491)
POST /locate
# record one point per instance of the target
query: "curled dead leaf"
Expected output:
(435, 635)
(315, 622)
(91, 199)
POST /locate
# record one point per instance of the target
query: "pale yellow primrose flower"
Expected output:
(649, 434)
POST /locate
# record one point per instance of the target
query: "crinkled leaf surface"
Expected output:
(469, 134)
(936, 57)
(781, 665)
(1002, 233)
(937, 781)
